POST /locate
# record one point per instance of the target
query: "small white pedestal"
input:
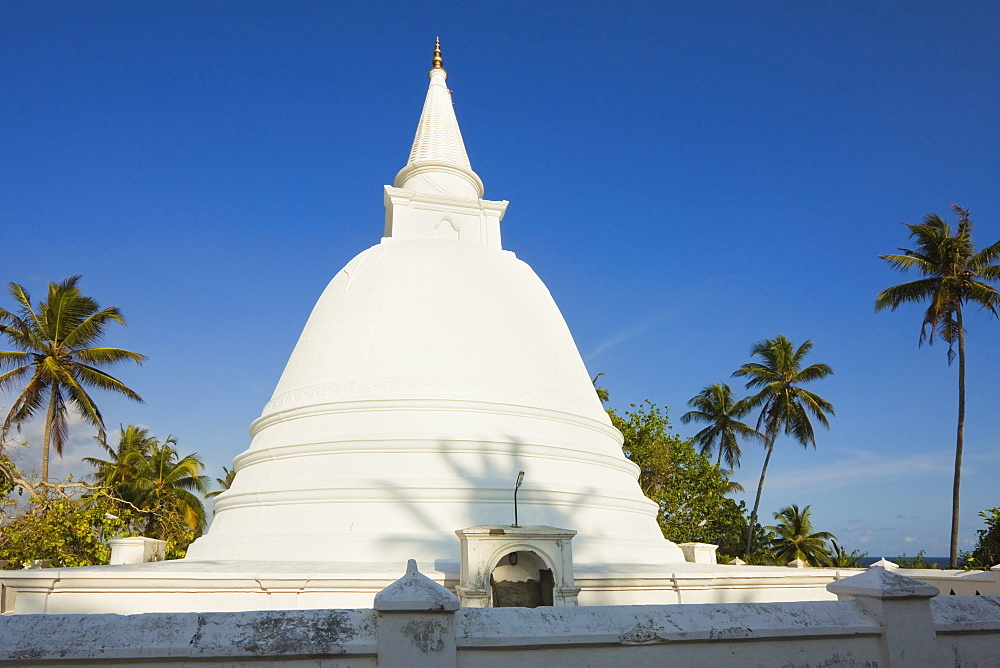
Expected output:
(699, 553)
(136, 550)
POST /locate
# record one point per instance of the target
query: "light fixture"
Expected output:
(517, 486)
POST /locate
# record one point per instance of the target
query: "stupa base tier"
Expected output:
(240, 541)
(203, 586)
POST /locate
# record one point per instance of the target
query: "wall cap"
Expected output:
(415, 592)
(883, 584)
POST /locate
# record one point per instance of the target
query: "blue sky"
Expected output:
(686, 178)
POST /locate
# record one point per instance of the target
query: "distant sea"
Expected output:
(942, 562)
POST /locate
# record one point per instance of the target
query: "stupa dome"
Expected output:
(434, 367)
(431, 319)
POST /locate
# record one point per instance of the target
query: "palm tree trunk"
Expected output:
(756, 501)
(47, 434)
(959, 442)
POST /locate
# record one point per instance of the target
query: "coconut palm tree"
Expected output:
(57, 355)
(602, 392)
(840, 557)
(716, 406)
(954, 274)
(784, 405)
(224, 483)
(794, 538)
(164, 486)
(118, 472)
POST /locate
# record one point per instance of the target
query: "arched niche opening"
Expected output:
(506, 566)
(521, 579)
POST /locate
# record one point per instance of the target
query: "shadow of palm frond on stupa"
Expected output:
(473, 484)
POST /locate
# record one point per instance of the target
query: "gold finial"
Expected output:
(437, 62)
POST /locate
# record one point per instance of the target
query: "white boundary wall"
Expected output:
(882, 619)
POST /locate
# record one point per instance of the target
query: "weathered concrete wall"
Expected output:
(882, 619)
(967, 629)
(283, 637)
(957, 583)
(721, 635)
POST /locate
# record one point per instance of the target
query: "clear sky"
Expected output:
(687, 178)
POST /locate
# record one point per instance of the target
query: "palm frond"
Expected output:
(697, 416)
(13, 357)
(981, 294)
(905, 293)
(107, 356)
(104, 381)
(91, 327)
(985, 257)
(747, 432)
(27, 403)
(910, 260)
(22, 297)
(813, 372)
(84, 404)
(58, 428)
(990, 273)
(9, 378)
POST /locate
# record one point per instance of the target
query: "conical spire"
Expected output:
(438, 162)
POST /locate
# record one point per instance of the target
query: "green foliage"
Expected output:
(164, 489)
(157, 484)
(716, 406)
(56, 361)
(144, 488)
(918, 561)
(119, 469)
(647, 442)
(760, 552)
(68, 531)
(986, 554)
(224, 483)
(841, 558)
(689, 489)
(7, 483)
(784, 406)
(954, 274)
(602, 392)
(178, 540)
(794, 538)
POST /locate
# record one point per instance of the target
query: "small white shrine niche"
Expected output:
(507, 566)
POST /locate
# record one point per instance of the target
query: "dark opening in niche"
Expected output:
(521, 580)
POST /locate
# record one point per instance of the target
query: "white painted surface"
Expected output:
(434, 367)
(415, 591)
(884, 621)
(191, 586)
(700, 553)
(136, 550)
(486, 550)
(438, 163)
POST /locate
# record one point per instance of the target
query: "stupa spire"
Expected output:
(438, 163)
(436, 62)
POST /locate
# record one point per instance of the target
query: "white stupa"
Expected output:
(434, 368)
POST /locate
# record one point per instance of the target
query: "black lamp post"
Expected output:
(517, 486)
